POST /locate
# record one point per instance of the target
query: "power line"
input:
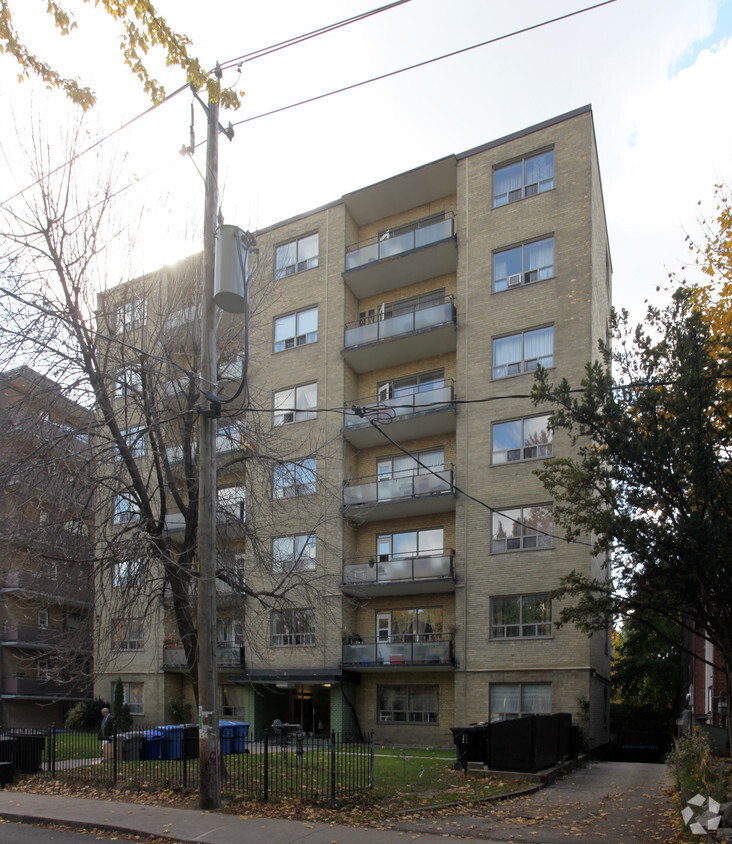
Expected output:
(93, 146)
(264, 51)
(425, 62)
(457, 489)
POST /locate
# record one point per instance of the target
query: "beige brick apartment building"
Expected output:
(391, 502)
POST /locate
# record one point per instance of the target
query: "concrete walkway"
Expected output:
(610, 802)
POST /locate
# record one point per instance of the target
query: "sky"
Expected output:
(656, 73)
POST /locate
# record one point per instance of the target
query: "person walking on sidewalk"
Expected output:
(106, 732)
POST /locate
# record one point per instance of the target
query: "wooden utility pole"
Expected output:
(208, 719)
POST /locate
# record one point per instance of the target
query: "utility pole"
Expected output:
(208, 719)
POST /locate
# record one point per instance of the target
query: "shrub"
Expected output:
(180, 711)
(85, 715)
(695, 769)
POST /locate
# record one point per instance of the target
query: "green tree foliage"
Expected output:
(120, 710)
(651, 479)
(645, 665)
(142, 28)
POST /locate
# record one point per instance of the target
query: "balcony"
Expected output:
(399, 335)
(419, 575)
(426, 651)
(228, 655)
(407, 494)
(32, 636)
(405, 255)
(66, 587)
(410, 415)
(40, 688)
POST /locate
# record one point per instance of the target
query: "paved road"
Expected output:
(610, 802)
(18, 833)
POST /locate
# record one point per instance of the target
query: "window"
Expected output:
(231, 438)
(403, 306)
(291, 479)
(43, 618)
(523, 527)
(523, 178)
(418, 624)
(135, 439)
(126, 509)
(296, 329)
(293, 627)
(411, 384)
(232, 501)
(126, 573)
(229, 632)
(521, 616)
(127, 634)
(296, 256)
(230, 570)
(130, 315)
(512, 700)
(412, 543)
(523, 352)
(404, 466)
(294, 405)
(522, 439)
(408, 704)
(523, 264)
(293, 552)
(132, 696)
(128, 382)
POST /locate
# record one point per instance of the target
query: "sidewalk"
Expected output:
(187, 825)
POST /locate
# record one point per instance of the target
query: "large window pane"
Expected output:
(538, 348)
(538, 439)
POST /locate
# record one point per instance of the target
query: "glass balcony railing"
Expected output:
(45, 637)
(400, 240)
(41, 687)
(399, 406)
(228, 654)
(408, 649)
(396, 324)
(402, 486)
(436, 565)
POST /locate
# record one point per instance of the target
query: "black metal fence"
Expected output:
(284, 763)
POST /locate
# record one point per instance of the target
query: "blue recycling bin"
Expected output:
(152, 746)
(241, 731)
(226, 737)
(172, 741)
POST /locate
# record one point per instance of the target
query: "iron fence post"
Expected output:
(332, 769)
(266, 766)
(371, 759)
(52, 752)
(114, 752)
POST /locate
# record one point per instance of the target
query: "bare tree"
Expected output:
(131, 352)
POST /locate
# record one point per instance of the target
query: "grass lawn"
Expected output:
(405, 779)
(75, 746)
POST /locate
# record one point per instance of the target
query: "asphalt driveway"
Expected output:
(610, 802)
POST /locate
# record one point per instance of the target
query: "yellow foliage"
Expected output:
(142, 28)
(714, 257)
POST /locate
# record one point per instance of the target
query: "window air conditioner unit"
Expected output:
(514, 280)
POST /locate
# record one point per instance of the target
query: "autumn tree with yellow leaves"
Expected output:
(141, 28)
